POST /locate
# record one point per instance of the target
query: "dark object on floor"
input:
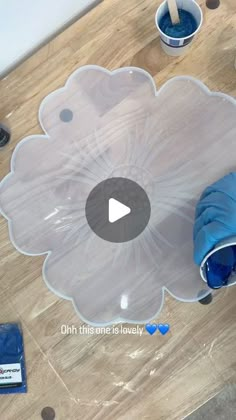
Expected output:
(212, 4)
(48, 413)
(206, 300)
(4, 136)
(220, 407)
(12, 361)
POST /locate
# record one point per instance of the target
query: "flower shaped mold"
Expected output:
(172, 142)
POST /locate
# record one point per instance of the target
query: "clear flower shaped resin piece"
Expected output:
(172, 142)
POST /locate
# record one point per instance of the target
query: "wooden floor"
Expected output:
(114, 377)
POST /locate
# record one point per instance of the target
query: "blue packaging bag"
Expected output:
(12, 360)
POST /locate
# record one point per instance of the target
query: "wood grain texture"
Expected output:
(114, 377)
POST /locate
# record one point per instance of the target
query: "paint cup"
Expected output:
(178, 46)
(221, 251)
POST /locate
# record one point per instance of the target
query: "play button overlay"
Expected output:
(118, 210)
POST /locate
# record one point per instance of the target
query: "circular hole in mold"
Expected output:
(66, 115)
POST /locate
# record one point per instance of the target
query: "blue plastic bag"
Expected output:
(12, 360)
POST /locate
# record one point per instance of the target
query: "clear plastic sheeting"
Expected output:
(172, 142)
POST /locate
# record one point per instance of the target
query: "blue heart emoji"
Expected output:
(151, 328)
(163, 328)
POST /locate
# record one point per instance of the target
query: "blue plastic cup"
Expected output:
(218, 268)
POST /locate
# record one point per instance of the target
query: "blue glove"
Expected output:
(215, 216)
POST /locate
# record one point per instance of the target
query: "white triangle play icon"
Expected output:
(117, 210)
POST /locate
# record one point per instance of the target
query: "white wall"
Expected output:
(26, 24)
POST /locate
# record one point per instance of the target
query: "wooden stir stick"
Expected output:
(173, 9)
